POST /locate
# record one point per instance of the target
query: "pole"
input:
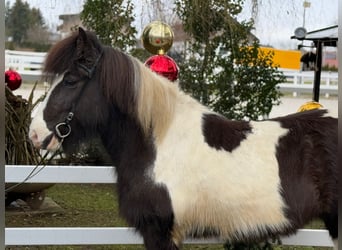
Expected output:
(318, 69)
(304, 17)
(306, 4)
(2, 127)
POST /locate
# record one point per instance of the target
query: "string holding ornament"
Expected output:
(157, 38)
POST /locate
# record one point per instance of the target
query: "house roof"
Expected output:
(328, 35)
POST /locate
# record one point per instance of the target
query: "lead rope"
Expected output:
(35, 170)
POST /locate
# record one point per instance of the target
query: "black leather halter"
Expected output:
(63, 129)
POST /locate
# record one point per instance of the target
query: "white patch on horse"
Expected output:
(136, 67)
(156, 100)
(38, 130)
(232, 193)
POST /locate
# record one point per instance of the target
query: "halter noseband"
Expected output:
(63, 129)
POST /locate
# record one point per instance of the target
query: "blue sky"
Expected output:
(275, 23)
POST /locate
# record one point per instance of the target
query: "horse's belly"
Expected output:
(229, 220)
(230, 194)
(227, 212)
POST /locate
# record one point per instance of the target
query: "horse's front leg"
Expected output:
(147, 207)
(157, 239)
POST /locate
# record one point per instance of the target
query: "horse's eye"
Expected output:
(69, 81)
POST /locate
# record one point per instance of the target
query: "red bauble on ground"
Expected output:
(12, 79)
(163, 65)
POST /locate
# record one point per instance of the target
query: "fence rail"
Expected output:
(28, 64)
(124, 236)
(302, 82)
(102, 235)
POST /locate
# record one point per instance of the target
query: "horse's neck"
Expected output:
(161, 110)
(128, 147)
(161, 104)
(186, 123)
(156, 101)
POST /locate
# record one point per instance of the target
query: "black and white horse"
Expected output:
(182, 169)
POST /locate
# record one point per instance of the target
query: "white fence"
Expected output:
(302, 82)
(102, 235)
(29, 66)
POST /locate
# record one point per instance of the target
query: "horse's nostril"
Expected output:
(34, 138)
(33, 135)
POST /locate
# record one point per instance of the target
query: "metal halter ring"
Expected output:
(60, 128)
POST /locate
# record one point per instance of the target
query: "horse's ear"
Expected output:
(82, 42)
(82, 34)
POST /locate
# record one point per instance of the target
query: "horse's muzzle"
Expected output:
(50, 142)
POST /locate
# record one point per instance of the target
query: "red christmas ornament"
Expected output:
(13, 79)
(163, 65)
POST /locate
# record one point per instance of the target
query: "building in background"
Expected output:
(70, 23)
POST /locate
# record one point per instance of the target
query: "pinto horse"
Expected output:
(184, 170)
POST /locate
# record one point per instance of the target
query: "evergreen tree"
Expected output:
(7, 14)
(36, 18)
(25, 25)
(18, 21)
(222, 65)
(112, 21)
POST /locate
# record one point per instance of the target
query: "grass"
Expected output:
(94, 205)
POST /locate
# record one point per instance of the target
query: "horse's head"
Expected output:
(75, 97)
(96, 89)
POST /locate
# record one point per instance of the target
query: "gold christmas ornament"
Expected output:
(310, 105)
(157, 37)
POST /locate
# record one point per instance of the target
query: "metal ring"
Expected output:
(59, 132)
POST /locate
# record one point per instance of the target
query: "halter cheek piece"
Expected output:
(63, 129)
